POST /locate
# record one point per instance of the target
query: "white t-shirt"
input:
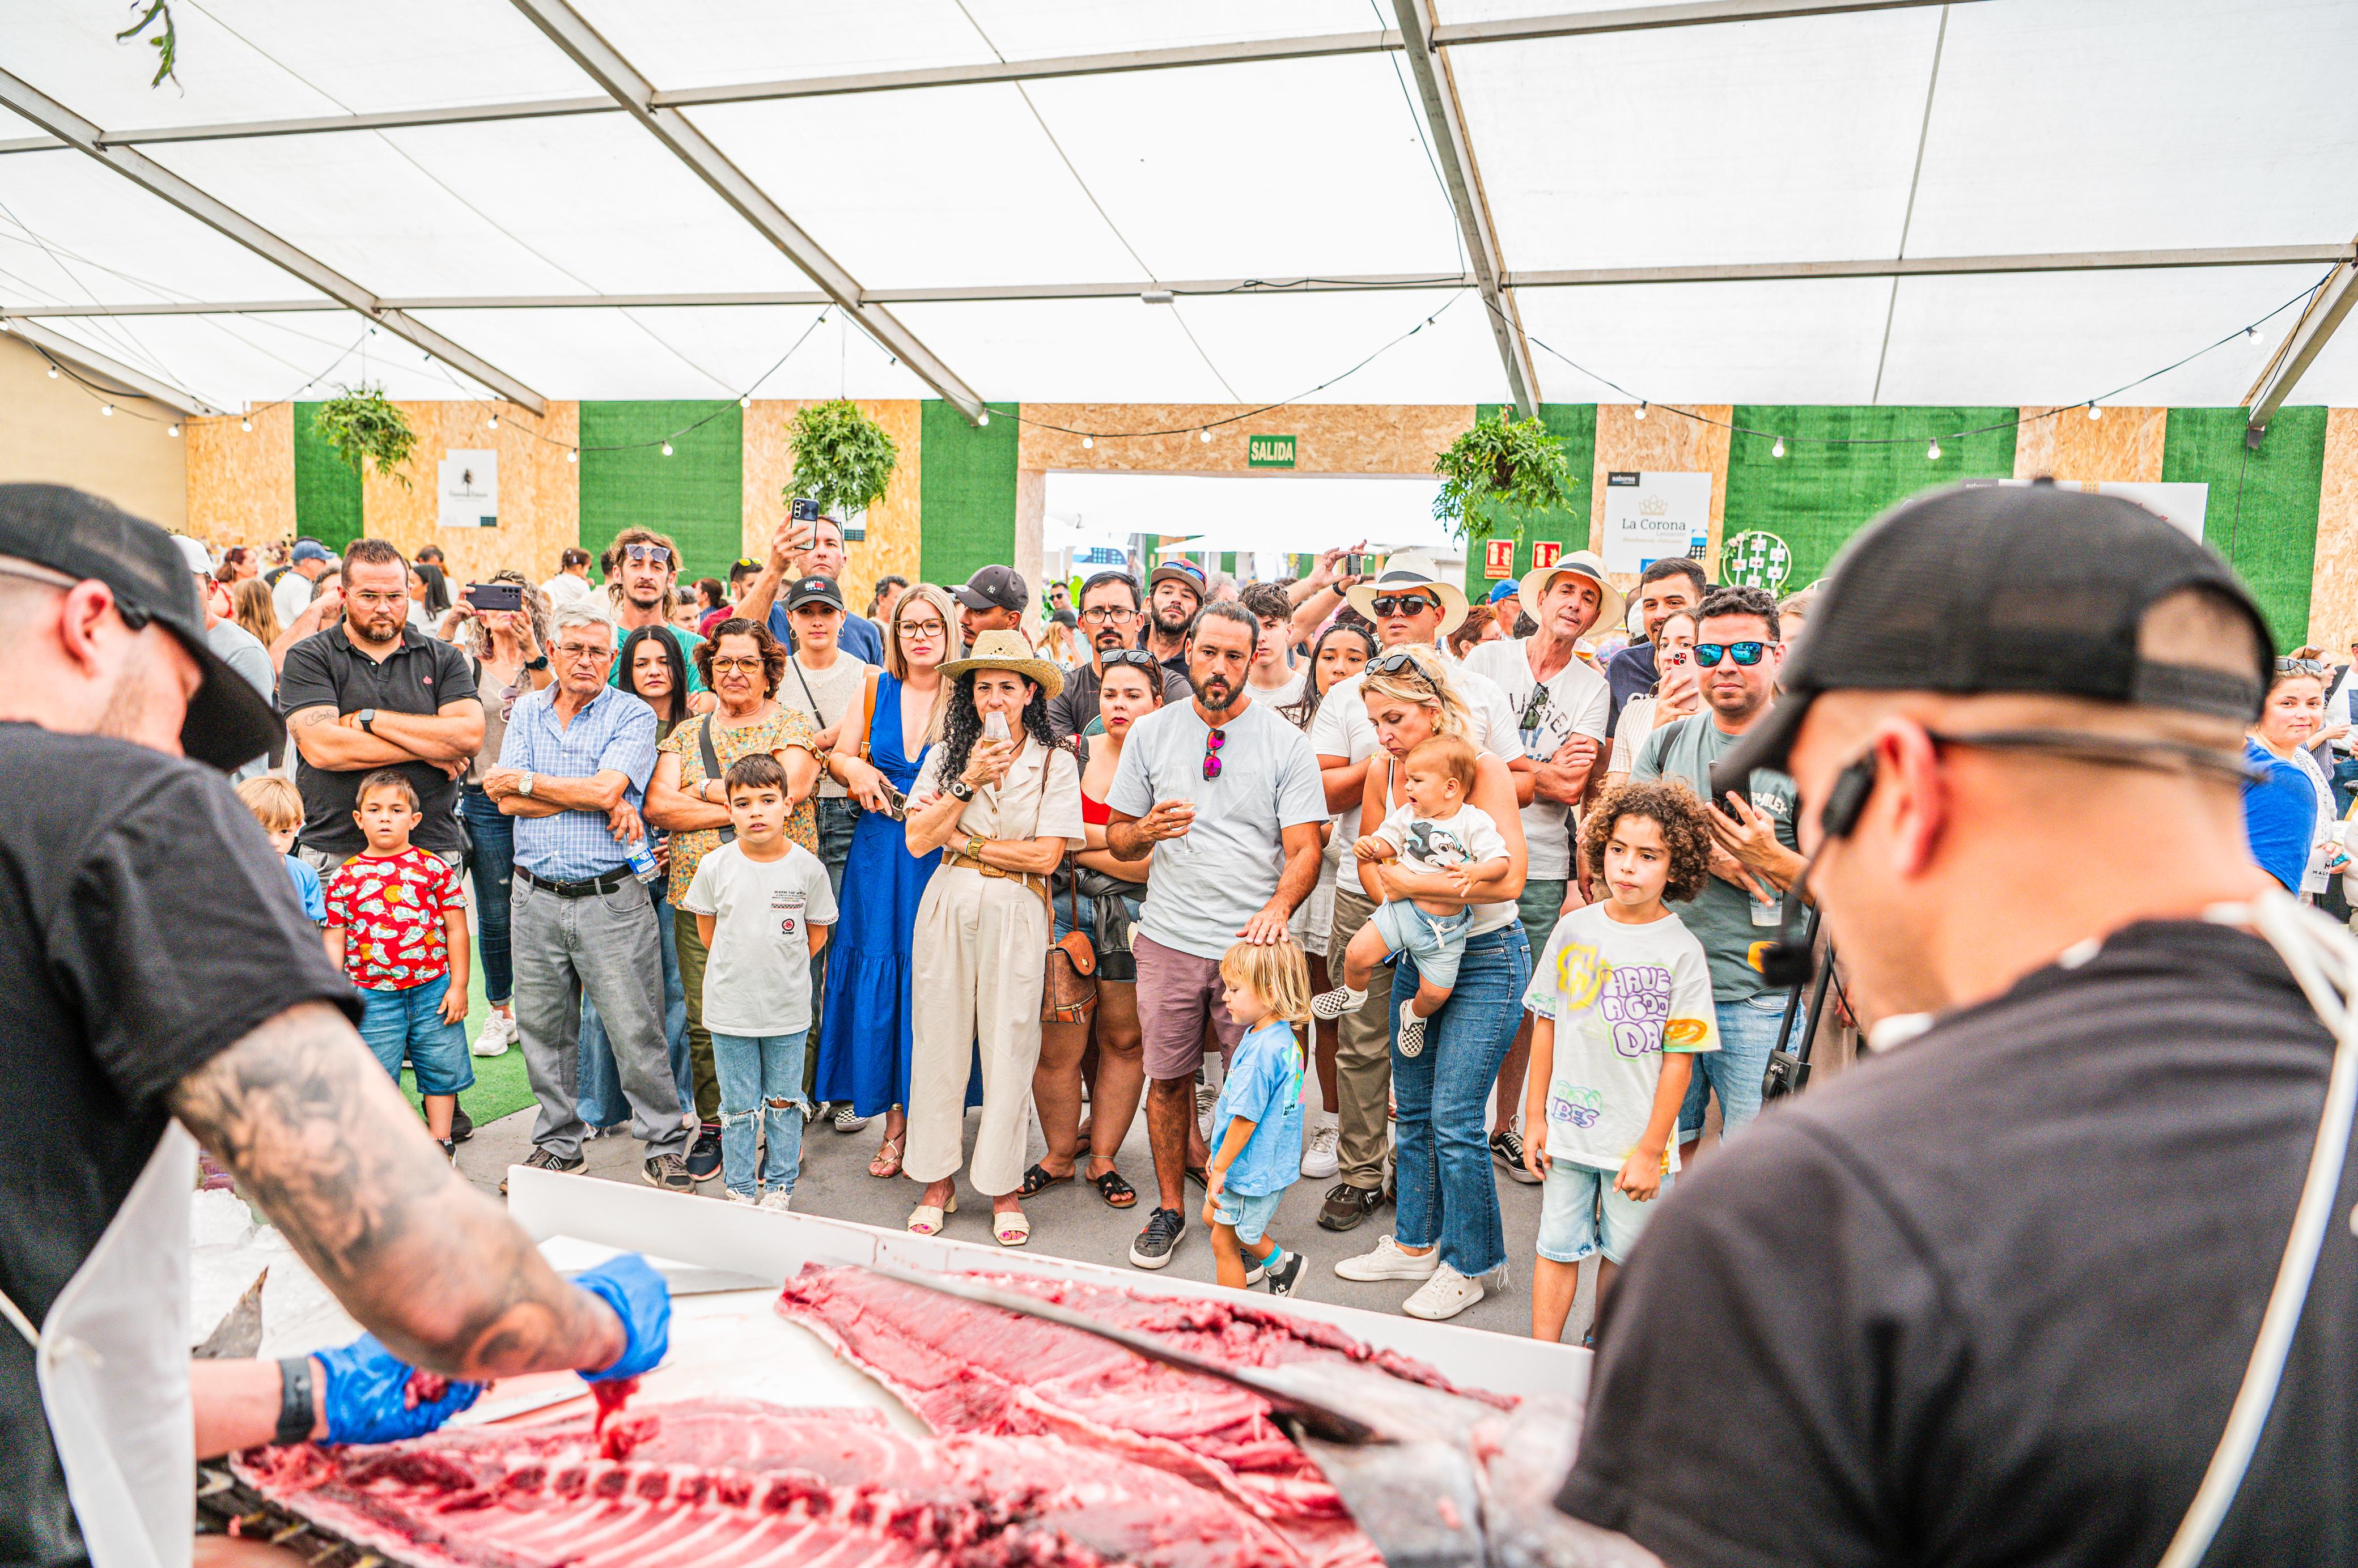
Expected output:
(1279, 696)
(1342, 728)
(564, 588)
(290, 597)
(1209, 880)
(838, 688)
(1620, 996)
(1578, 702)
(757, 980)
(1466, 837)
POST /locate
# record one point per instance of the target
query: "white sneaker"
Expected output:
(1444, 1295)
(1320, 1158)
(498, 1035)
(1411, 1030)
(1388, 1262)
(778, 1199)
(734, 1196)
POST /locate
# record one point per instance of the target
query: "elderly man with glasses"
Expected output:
(573, 772)
(1110, 614)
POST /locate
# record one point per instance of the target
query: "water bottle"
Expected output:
(642, 860)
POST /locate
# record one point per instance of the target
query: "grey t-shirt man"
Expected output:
(1218, 874)
(246, 656)
(1721, 916)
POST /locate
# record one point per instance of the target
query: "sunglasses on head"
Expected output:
(2300, 667)
(1137, 658)
(655, 553)
(1402, 604)
(1708, 655)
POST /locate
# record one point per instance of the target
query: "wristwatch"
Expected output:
(539, 663)
(525, 787)
(974, 843)
(368, 721)
(961, 790)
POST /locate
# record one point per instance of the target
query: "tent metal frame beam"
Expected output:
(137, 167)
(1592, 278)
(134, 383)
(2325, 312)
(605, 65)
(1521, 29)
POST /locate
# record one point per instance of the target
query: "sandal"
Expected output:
(1117, 1193)
(1011, 1229)
(926, 1220)
(887, 1162)
(1037, 1181)
(1200, 1176)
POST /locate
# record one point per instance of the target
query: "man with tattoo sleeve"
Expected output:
(158, 980)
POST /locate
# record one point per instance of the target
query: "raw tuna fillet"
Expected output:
(742, 1483)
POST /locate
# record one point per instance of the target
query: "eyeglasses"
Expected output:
(655, 553)
(2300, 667)
(1137, 658)
(1106, 613)
(1402, 604)
(935, 628)
(747, 664)
(573, 651)
(1708, 655)
(1213, 741)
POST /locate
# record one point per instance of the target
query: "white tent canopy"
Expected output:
(2183, 165)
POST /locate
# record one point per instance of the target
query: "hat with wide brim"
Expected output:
(1610, 607)
(1406, 579)
(1005, 650)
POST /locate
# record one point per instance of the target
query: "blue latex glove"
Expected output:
(367, 1395)
(642, 1300)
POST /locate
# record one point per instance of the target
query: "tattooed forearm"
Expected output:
(324, 1141)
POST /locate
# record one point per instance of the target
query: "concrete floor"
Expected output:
(1073, 1222)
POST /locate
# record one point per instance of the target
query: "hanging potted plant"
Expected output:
(1500, 465)
(843, 460)
(363, 426)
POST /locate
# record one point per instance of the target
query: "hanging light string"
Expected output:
(98, 394)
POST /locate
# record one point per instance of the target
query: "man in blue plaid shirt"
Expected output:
(573, 771)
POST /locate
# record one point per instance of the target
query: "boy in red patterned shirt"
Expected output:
(397, 922)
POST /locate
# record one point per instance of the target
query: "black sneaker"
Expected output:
(704, 1154)
(669, 1171)
(1155, 1244)
(1347, 1205)
(543, 1159)
(462, 1125)
(1283, 1278)
(1507, 1149)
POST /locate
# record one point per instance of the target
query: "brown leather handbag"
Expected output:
(1069, 993)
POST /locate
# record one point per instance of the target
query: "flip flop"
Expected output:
(884, 1164)
(1037, 1181)
(926, 1220)
(1011, 1229)
(1200, 1176)
(1117, 1193)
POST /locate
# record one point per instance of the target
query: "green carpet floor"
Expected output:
(500, 1087)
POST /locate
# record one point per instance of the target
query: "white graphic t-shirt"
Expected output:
(757, 980)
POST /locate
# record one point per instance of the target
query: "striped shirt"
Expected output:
(614, 732)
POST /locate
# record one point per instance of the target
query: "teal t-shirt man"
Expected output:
(1722, 915)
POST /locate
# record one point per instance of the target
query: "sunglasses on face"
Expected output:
(655, 553)
(2300, 667)
(1708, 655)
(1402, 604)
(1213, 741)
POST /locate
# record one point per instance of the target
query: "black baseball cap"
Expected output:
(814, 590)
(1989, 588)
(1000, 586)
(229, 723)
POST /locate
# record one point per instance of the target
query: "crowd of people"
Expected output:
(731, 859)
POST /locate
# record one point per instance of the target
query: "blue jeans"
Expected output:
(494, 865)
(1442, 1145)
(410, 1021)
(761, 1084)
(2345, 784)
(600, 1094)
(1748, 1032)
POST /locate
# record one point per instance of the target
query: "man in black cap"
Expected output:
(1988, 1296)
(993, 601)
(157, 979)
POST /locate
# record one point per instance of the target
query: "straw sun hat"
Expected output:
(1005, 650)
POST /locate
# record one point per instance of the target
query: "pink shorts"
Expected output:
(1176, 991)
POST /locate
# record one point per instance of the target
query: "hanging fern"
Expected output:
(1500, 465)
(843, 459)
(362, 426)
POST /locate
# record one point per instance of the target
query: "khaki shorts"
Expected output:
(1176, 991)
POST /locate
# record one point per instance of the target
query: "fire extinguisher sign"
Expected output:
(1498, 559)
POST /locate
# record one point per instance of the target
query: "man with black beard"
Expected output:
(1174, 593)
(1110, 615)
(1225, 795)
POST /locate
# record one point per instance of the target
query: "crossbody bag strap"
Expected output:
(868, 713)
(712, 769)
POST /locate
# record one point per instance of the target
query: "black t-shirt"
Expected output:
(325, 670)
(1072, 710)
(144, 926)
(1988, 1298)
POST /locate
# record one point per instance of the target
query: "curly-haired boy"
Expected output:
(1621, 1002)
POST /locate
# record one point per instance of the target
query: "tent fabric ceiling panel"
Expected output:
(72, 232)
(233, 360)
(1717, 342)
(1278, 346)
(1071, 350)
(1762, 141)
(2140, 123)
(717, 351)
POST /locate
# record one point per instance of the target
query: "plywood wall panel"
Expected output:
(1330, 438)
(241, 482)
(51, 432)
(894, 533)
(2333, 592)
(2123, 448)
(539, 492)
(1662, 442)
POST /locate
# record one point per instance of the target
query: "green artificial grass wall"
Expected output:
(965, 491)
(2262, 510)
(327, 488)
(1573, 423)
(1843, 467)
(697, 496)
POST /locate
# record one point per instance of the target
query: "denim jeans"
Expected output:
(2345, 784)
(1748, 1032)
(836, 818)
(393, 1022)
(1441, 1144)
(494, 837)
(600, 1094)
(761, 1087)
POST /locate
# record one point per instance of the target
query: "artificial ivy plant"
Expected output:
(362, 426)
(843, 459)
(1500, 464)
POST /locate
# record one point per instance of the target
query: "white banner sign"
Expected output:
(2183, 504)
(469, 484)
(1653, 516)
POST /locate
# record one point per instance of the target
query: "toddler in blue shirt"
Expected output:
(279, 808)
(1256, 1121)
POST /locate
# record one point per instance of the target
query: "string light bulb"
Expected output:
(1779, 449)
(572, 456)
(1204, 436)
(2094, 412)
(1088, 441)
(746, 401)
(667, 449)
(244, 424)
(983, 417)
(107, 409)
(493, 421)
(1641, 411)
(173, 429)
(53, 372)
(1933, 452)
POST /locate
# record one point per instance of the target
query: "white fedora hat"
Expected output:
(1410, 579)
(1611, 603)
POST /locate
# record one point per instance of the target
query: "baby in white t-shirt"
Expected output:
(1434, 831)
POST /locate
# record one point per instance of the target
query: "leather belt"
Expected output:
(586, 887)
(1032, 880)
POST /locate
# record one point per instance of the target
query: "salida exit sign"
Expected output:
(1269, 451)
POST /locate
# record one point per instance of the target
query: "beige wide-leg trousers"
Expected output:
(975, 975)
